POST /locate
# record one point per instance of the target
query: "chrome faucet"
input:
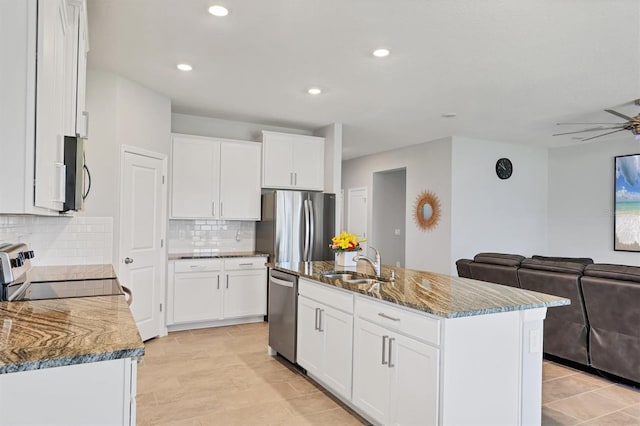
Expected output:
(376, 264)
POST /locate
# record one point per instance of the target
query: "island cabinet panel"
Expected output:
(395, 378)
(208, 292)
(325, 336)
(96, 393)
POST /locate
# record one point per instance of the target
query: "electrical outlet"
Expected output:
(396, 232)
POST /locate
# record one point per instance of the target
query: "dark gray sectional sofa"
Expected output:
(601, 327)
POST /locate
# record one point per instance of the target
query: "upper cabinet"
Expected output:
(215, 179)
(292, 161)
(41, 91)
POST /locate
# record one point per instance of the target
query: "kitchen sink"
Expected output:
(341, 276)
(355, 279)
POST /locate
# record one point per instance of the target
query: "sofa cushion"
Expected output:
(614, 272)
(583, 260)
(463, 268)
(553, 266)
(499, 259)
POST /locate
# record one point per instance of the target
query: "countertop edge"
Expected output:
(63, 362)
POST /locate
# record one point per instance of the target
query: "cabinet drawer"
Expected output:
(322, 293)
(198, 265)
(401, 320)
(237, 263)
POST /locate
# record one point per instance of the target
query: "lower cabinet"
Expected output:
(325, 336)
(215, 289)
(95, 393)
(395, 378)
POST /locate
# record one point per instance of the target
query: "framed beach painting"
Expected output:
(627, 203)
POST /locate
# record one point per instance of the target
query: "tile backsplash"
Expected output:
(211, 236)
(62, 240)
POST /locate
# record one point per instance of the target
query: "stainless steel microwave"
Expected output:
(75, 168)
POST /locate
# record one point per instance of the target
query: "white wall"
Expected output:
(581, 199)
(428, 167)
(490, 214)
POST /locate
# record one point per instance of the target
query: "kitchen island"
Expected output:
(68, 361)
(425, 348)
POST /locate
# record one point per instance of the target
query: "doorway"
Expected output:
(389, 215)
(141, 263)
(357, 213)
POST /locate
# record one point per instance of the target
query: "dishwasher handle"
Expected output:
(278, 281)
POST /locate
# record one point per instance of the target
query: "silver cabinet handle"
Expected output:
(227, 280)
(128, 260)
(390, 346)
(320, 321)
(128, 296)
(384, 344)
(245, 264)
(388, 317)
(295, 179)
(213, 208)
(221, 215)
(315, 326)
(218, 282)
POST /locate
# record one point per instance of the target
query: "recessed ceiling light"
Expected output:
(218, 10)
(381, 53)
(450, 114)
(184, 67)
(314, 91)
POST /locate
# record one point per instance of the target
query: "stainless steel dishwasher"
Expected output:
(283, 313)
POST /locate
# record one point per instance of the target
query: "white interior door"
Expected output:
(357, 210)
(142, 213)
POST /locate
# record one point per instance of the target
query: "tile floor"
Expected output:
(223, 376)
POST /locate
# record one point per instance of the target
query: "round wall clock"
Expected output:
(504, 168)
(426, 210)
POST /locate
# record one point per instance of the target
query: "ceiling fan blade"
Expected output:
(604, 134)
(587, 130)
(610, 111)
(586, 124)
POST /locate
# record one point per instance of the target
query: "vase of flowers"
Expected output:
(346, 246)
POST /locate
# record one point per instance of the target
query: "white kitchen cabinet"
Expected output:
(325, 336)
(211, 292)
(196, 291)
(76, 49)
(50, 95)
(396, 376)
(36, 103)
(95, 393)
(245, 291)
(215, 179)
(292, 161)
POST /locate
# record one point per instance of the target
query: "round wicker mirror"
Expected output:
(426, 211)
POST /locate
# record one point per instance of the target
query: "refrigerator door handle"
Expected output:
(305, 253)
(312, 229)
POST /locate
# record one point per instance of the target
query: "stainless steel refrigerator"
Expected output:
(296, 226)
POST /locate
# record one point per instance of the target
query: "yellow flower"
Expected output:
(346, 242)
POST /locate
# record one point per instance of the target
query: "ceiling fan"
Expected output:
(632, 124)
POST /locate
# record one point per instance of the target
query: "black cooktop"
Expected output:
(66, 289)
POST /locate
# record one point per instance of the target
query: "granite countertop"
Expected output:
(57, 332)
(214, 254)
(436, 294)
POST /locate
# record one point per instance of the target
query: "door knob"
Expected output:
(128, 260)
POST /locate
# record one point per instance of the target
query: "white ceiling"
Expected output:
(510, 69)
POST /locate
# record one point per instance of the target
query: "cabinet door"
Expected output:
(371, 373)
(337, 329)
(308, 164)
(82, 115)
(49, 161)
(277, 160)
(414, 382)
(310, 339)
(245, 293)
(195, 178)
(197, 297)
(240, 181)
